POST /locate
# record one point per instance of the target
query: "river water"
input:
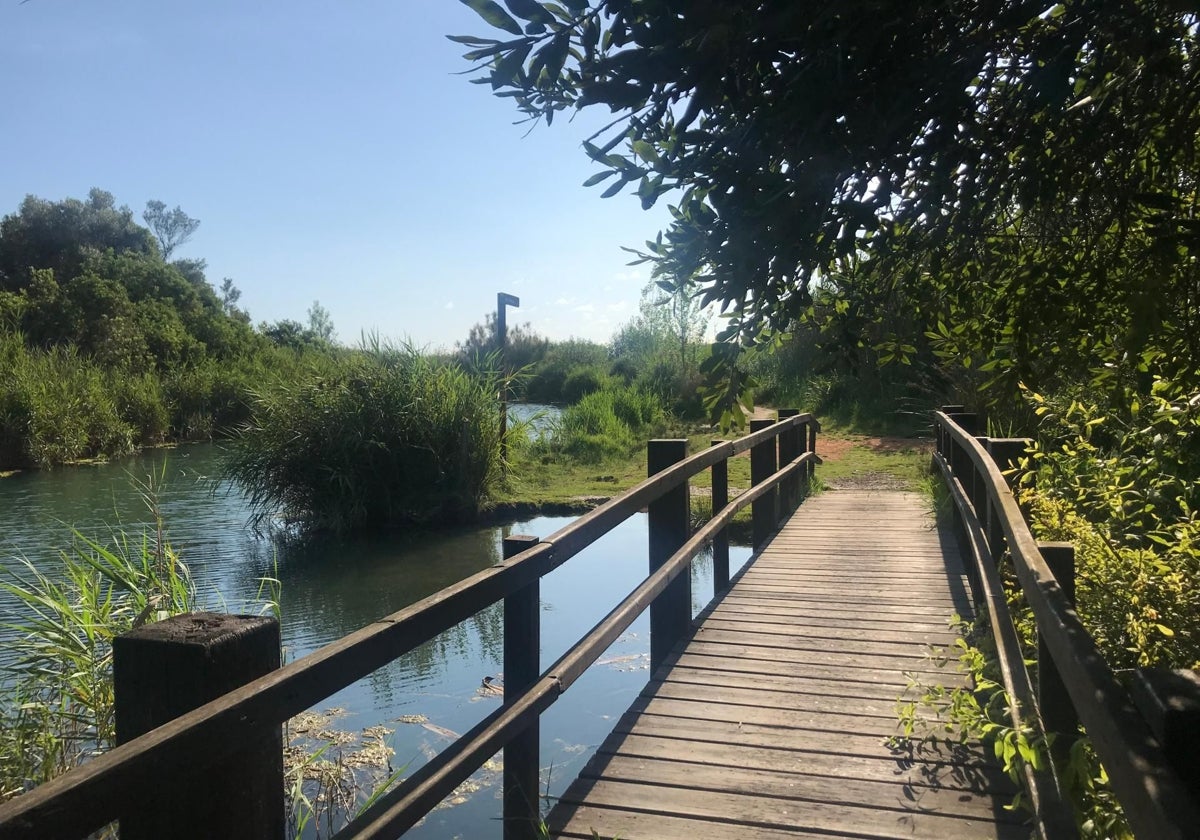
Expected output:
(330, 588)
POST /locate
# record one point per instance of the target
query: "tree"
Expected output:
(230, 294)
(670, 318)
(320, 323)
(60, 236)
(171, 228)
(925, 149)
(523, 346)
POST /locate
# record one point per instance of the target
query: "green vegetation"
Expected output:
(106, 346)
(58, 710)
(376, 438)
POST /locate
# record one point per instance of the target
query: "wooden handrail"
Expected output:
(1156, 802)
(93, 795)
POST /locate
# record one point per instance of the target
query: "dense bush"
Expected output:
(580, 382)
(545, 382)
(1125, 493)
(56, 406)
(372, 439)
(605, 424)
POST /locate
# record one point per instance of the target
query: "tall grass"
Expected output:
(59, 406)
(609, 423)
(379, 438)
(59, 706)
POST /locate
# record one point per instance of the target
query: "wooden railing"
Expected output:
(182, 756)
(1074, 683)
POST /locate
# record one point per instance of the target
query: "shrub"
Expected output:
(580, 382)
(546, 380)
(55, 407)
(370, 440)
(609, 423)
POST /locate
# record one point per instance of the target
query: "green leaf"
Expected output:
(598, 177)
(645, 151)
(494, 15)
(529, 10)
(614, 189)
(472, 41)
(576, 6)
(508, 69)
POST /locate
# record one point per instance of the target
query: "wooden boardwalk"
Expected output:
(773, 720)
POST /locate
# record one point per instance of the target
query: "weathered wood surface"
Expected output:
(774, 720)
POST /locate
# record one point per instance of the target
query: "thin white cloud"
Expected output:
(450, 305)
(585, 308)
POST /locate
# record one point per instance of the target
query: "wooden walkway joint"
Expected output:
(776, 718)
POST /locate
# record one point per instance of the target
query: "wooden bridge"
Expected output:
(774, 718)
(772, 715)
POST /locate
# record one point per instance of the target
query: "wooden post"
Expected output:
(720, 543)
(165, 669)
(762, 466)
(978, 488)
(790, 447)
(669, 518)
(811, 425)
(943, 439)
(1005, 453)
(522, 667)
(503, 300)
(1169, 700)
(1058, 712)
(968, 421)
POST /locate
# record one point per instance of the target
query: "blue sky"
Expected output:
(330, 153)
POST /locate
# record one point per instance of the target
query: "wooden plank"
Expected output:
(821, 618)
(813, 643)
(893, 664)
(894, 769)
(832, 735)
(580, 821)
(779, 700)
(813, 606)
(795, 782)
(801, 683)
(844, 671)
(782, 813)
(902, 634)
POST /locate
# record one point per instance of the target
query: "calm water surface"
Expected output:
(330, 588)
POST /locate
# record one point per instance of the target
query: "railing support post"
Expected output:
(764, 511)
(791, 444)
(165, 669)
(1006, 453)
(812, 426)
(522, 667)
(1169, 700)
(1058, 713)
(669, 520)
(720, 543)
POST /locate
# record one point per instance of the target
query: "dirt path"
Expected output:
(857, 462)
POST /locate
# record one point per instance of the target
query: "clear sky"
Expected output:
(330, 153)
